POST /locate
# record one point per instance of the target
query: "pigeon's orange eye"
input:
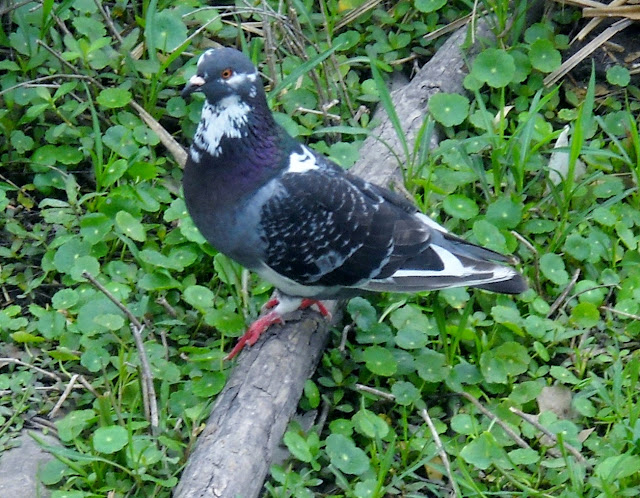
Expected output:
(226, 73)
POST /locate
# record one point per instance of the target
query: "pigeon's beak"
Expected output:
(193, 85)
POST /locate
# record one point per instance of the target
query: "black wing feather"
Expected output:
(331, 229)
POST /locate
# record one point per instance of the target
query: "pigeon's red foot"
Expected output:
(307, 303)
(277, 307)
(255, 330)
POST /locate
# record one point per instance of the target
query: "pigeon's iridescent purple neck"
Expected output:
(237, 146)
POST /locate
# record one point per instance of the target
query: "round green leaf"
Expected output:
(21, 142)
(153, 257)
(298, 446)
(489, 236)
(552, 267)
(112, 98)
(66, 154)
(67, 254)
(508, 359)
(369, 424)
(504, 213)
(483, 451)
(463, 423)
(494, 67)
(225, 320)
(539, 226)
(362, 312)
(427, 6)
(110, 439)
(544, 56)
(210, 384)
(405, 392)
(524, 456)
(449, 109)
(576, 246)
(199, 297)
(65, 299)
(95, 226)
(52, 472)
(585, 315)
(169, 32)
(412, 317)
(82, 264)
(563, 374)
(411, 338)
(181, 257)
(130, 226)
(345, 154)
(380, 361)
(120, 140)
(346, 456)
(145, 135)
(366, 489)
(618, 75)
(431, 366)
(460, 206)
(95, 359)
(312, 393)
(110, 321)
(73, 424)
(113, 172)
(617, 123)
(176, 107)
(538, 31)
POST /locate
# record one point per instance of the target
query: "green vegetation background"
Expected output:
(86, 186)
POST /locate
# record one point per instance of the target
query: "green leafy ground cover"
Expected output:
(85, 186)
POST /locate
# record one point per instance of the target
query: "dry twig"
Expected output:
(561, 298)
(532, 420)
(148, 390)
(15, 361)
(494, 418)
(375, 392)
(65, 395)
(443, 454)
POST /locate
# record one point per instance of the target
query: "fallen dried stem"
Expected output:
(443, 454)
(148, 390)
(532, 420)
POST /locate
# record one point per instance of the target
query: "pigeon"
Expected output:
(302, 222)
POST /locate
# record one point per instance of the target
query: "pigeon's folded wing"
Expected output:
(328, 230)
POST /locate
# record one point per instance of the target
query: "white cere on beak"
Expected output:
(196, 80)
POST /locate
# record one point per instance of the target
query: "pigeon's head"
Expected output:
(223, 72)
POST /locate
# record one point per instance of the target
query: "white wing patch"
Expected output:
(430, 223)
(300, 163)
(225, 119)
(454, 268)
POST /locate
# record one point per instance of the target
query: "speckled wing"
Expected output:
(329, 229)
(327, 233)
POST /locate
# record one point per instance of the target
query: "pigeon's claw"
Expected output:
(254, 332)
(307, 303)
(270, 304)
(275, 308)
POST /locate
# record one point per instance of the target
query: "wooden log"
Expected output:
(251, 414)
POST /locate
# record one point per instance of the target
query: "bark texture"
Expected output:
(251, 414)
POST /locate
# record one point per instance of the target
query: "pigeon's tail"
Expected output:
(449, 261)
